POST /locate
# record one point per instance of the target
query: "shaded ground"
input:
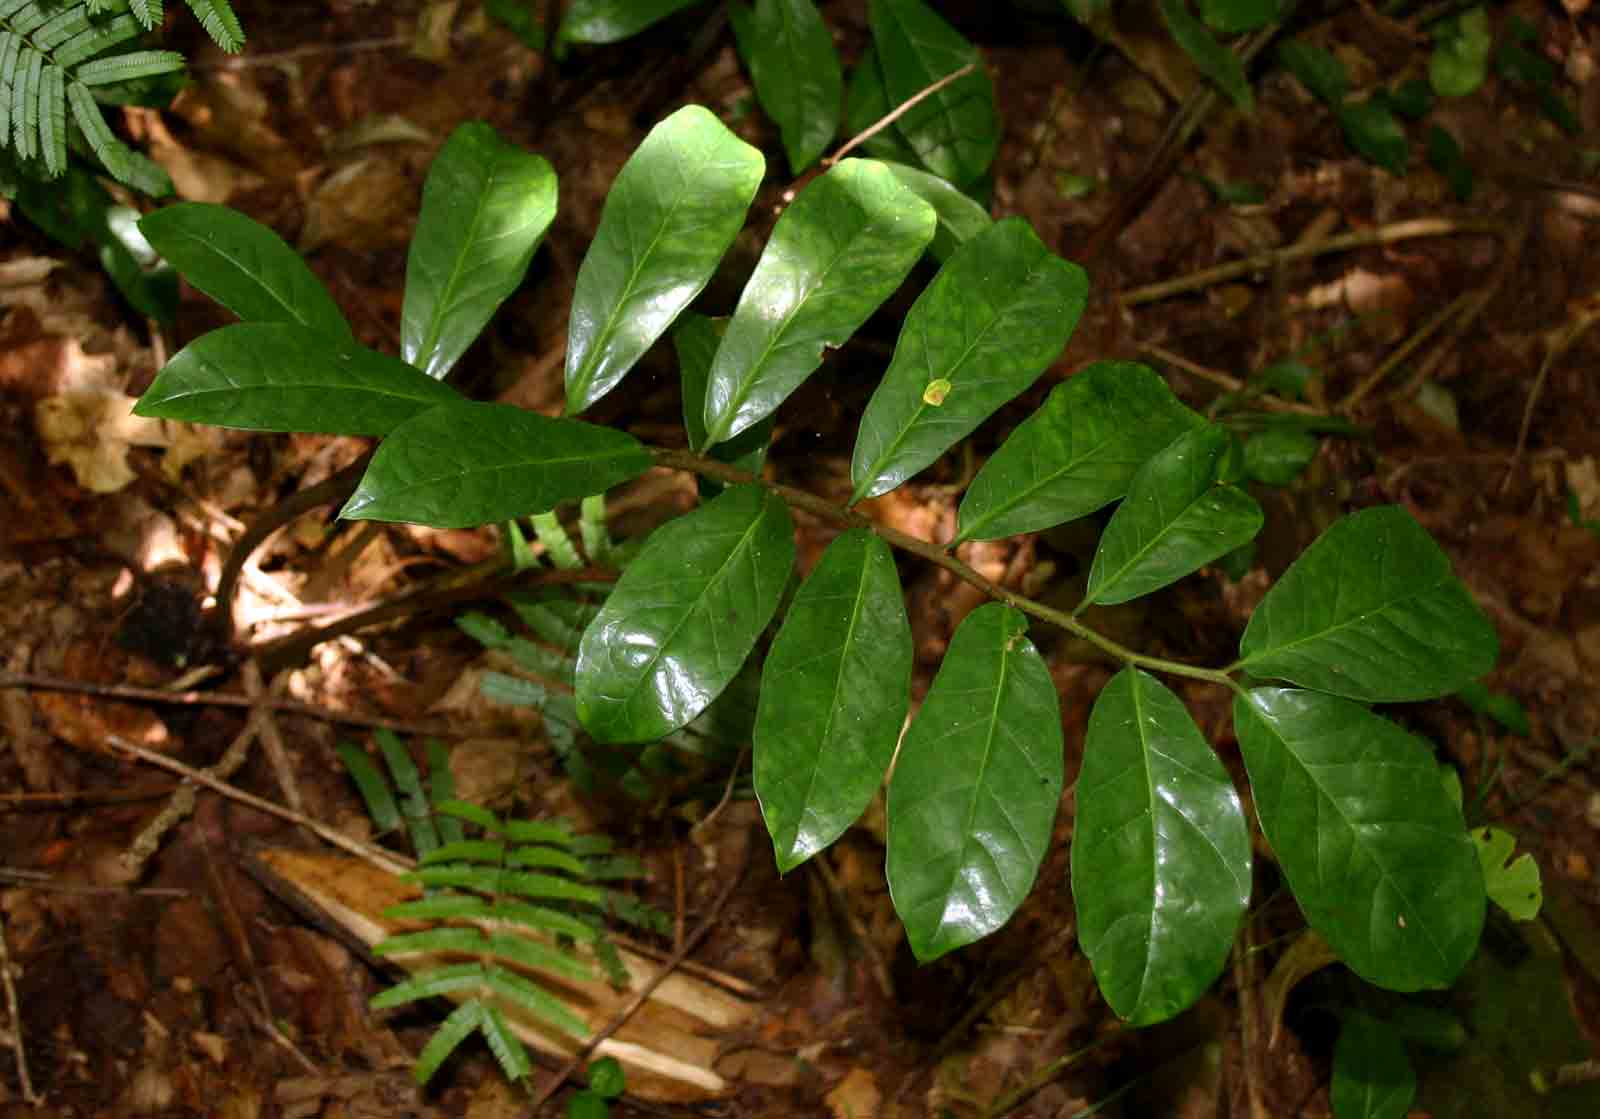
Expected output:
(167, 979)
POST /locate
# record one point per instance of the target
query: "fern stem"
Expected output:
(811, 503)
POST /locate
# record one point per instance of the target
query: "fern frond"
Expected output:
(539, 956)
(507, 1048)
(107, 148)
(439, 907)
(430, 984)
(10, 46)
(451, 1033)
(25, 104)
(467, 850)
(28, 16)
(549, 832)
(452, 938)
(53, 120)
(471, 813)
(96, 39)
(148, 12)
(217, 17)
(544, 919)
(534, 998)
(548, 858)
(60, 28)
(126, 67)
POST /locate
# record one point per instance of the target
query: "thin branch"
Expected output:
(41, 682)
(800, 499)
(899, 111)
(642, 995)
(377, 856)
(15, 1015)
(1273, 258)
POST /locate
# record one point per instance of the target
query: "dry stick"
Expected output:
(1272, 258)
(643, 994)
(1555, 349)
(800, 499)
(181, 804)
(275, 656)
(899, 111)
(41, 682)
(17, 1046)
(1223, 380)
(336, 488)
(267, 733)
(377, 856)
(1404, 351)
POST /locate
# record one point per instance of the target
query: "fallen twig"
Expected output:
(17, 1045)
(572, 1067)
(42, 682)
(897, 112)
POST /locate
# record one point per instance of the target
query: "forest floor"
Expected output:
(158, 965)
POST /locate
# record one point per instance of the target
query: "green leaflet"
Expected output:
(684, 616)
(834, 695)
(1376, 133)
(795, 67)
(1371, 843)
(1317, 69)
(1371, 611)
(669, 217)
(243, 265)
(1077, 453)
(485, 206)
(975, 787)
(1175, 520)
(997, 313)
(1512, 884)
(841, 248)
(1213, 59)
(955, 132)
(464, 464)
(1233, 16)
(1160, 852)
(695, 338)
(286, 377)
(1372, 1076)
(961, 217)
(611, 21)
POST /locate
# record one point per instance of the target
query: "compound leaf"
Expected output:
(287, 377)
(611, 21)
(485, 207)
(1175, 520)
(243, 265)
(1372, 1076)
(997, 313)
(955, 131)
(975, 787)
(684, 616)
(841, 248)
(1371, 611)
(1372, 845)
(1160, 852)
(961, 217)
(834, 695)
(796, 72)
(1077, 453)
(464, 464)
(671, 214)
